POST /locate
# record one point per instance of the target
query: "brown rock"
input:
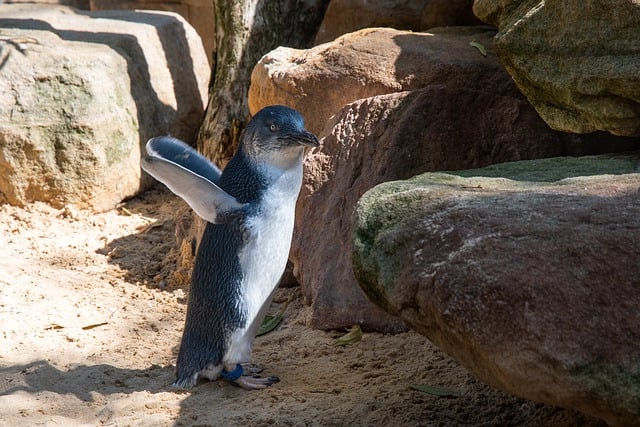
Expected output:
(530, 282)
(347, 16)
(318, 82)
(392, 137)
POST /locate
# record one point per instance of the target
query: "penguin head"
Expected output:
(276, 136)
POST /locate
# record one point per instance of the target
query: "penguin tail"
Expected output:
(185, 382)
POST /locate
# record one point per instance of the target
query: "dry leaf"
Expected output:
(354, 335)
(95, 325)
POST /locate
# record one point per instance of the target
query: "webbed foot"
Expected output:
(251, 369)
(247, 382)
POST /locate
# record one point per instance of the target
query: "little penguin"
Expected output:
(249, 209)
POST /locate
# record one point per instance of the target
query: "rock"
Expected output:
(390, 137)
(572, 59)
(527, 273)
(81, 92)
(78, 4)
(364, 143)
(492, 12)
(199, 13)
(347, 16)
(320, 81)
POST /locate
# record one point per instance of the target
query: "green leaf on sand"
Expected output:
(435, 391)
(271, 322)
(354, 335)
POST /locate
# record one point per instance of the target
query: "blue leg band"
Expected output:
(233, 375)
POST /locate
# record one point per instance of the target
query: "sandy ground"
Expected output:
(90, 322)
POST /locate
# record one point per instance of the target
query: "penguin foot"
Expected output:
(248, 382)
(252, 368)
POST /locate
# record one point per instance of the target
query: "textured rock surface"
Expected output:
(347, 16)
(397, 136)
(78, 4)
(576, 61)
(529, 282)
(199, 13)
(80, 93)
(320, 81)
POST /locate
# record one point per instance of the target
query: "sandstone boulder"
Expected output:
(390, 137)
(199, 13)
(576, 61)
(78, 4)
(80, 92)
(320, 81)
(347, 16)
(526, 273)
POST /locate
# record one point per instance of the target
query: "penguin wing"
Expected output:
(173, 150)
(180, 171)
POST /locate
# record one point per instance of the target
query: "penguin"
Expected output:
(249, 209)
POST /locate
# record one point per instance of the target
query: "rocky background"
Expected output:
(525, 272)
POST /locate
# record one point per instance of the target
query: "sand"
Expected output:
(91, 316)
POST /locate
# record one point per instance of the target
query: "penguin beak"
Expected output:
(304, 138)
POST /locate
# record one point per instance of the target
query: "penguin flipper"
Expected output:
(173, 150)
(208, 200)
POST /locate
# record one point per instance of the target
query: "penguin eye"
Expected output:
(273, 127)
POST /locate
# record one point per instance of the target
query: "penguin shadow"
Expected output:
(82, 380)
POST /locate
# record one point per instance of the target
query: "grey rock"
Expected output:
(80, 92)
(199, 13)
(576, 61)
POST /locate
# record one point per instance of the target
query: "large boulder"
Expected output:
(81, 92)
(78, 4)
(526, 273)
(470, 114)
(199, 13)
(320, 81)
(576, 61)
(390, 137)
(347, 16)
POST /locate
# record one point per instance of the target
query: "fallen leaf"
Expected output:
(126, 211)
(479, 46)
(435, 391)
(354, 335)
(270, 322)
(95, 325)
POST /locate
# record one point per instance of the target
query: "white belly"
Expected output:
(263, 260)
